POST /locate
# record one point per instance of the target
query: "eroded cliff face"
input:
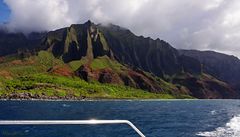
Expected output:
(76, 42)
(155, 56)
(91, 41)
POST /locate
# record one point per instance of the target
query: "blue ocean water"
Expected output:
(168, 118)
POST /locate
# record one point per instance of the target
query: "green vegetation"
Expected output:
(15, 67)
(103, 41)
(46, 59)
(23, 70)
(30, 76)
(105, 62)
(59, 86)
(71, 36)
(76, 64)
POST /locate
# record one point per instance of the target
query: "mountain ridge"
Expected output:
(114, 55)
(222, 66)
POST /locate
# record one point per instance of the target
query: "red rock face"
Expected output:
(83, 72)
(108, 76)
(143, 82)
(61, 70)
(200, 87)
(5, 74)
(21, 62)
(103, 75)
(206, 87)
(136, 79)
(2, 59)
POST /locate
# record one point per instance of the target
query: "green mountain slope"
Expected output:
(43, 76)
(111, 60)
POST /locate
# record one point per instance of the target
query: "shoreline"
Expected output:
(104, 99)
(35, 97)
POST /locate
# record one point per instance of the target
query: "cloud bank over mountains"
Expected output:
(188, 24)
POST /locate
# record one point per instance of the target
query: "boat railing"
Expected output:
(70, 122)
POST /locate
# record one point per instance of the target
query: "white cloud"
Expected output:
(195, 24)
(38, 15)
(213, 4)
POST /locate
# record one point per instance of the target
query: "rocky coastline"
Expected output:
(29, 96)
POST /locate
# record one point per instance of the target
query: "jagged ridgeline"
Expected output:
(76, 42)
(110, 54)
(91, 41)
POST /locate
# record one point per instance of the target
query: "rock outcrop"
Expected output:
(77, 41)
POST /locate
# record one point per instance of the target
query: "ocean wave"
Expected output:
(231, 129)
(213, 112)
(65, 105)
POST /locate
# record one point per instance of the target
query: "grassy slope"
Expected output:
(30, 76)
(105, 62)
(45, 84)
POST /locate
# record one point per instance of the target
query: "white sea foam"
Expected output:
(213, 112)
(231, 129)
(65, 105)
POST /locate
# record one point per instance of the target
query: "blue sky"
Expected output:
(4, 12)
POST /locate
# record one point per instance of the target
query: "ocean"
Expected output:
(155, 118)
